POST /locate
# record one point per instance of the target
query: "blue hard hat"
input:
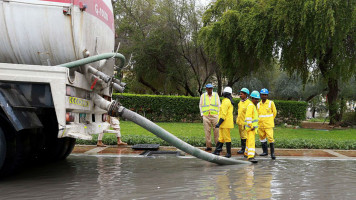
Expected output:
(245, 90)
(209, 85)
(264, 91)
(255, 94)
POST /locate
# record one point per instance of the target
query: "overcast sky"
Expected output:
(203, 2)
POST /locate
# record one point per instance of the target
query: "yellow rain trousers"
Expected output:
(225, 113)
(266, 113)
(251, 121)
(240, 119)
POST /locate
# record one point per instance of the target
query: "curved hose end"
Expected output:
(115, 109)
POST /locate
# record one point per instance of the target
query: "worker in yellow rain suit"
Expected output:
(266, 113)
(240, 119)
(251, 126)
(226, 123)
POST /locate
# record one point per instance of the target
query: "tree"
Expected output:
(318, 37)
(161, 36)
(261, 78)
(309, 37)
(237, 35)
(348, 90)
(281, 85)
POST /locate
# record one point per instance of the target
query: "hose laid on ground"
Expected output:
(173, 140)
(115, 109)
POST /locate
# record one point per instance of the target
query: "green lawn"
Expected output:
(287, 133)
(321, 119)
(193, 133)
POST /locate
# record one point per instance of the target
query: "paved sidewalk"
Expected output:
(283, 153)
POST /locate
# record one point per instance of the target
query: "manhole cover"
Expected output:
(145, 147)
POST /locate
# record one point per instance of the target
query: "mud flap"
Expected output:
(20, 102)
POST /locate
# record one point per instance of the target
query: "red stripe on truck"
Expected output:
(97, 8)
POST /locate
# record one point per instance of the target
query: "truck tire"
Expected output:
(70, 148)
(20, 148)
(54, 148)
(63, 148)
(13, 158)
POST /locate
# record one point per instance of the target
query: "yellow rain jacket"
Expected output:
(266, 112)
(241, 112)
(251, 119)
(225, 113)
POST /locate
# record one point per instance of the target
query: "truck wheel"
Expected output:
(70, 147)
(54, 148)
(13, 157)
(64, 148)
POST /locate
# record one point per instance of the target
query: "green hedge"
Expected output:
(294, 143)
(291, 112)
(160, 108)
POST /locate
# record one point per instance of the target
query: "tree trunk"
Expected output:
(219, 79)
(342, 108)
(333, 87)
(189, 91)
(154, 90)
(332, 100)
(219, 90)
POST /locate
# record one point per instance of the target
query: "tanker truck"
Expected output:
(57, 65)
(45, 106)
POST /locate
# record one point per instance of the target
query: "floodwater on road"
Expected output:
(168, 177)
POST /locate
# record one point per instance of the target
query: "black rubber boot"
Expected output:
(271, 145)
(228, 150)
(243, 146)
(264, 148)
(253, 160)
(218, 148)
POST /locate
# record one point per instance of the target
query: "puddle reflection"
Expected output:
(134, 177)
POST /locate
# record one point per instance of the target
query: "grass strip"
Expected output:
(193, 133)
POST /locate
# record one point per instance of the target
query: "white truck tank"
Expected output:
(44, 109)
(52, 32)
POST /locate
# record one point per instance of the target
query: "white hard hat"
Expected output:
(228, 90)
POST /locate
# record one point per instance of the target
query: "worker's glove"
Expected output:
(221, 120)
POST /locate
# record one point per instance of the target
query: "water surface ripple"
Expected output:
(134, 177)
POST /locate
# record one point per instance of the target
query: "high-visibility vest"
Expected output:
(251, 117)
(266, 113)
(210, 107)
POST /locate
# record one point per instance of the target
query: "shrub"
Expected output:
(160, 108)
(294, 143)
(349, 118)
